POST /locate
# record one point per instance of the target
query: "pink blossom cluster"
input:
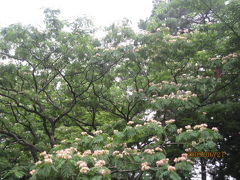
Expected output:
(38, 162)
(104, 171)
(180, 159)
(165, 83)
(162, 161)
(158, 149)
(200, 126)
(97, 132)
(100, 152)
(84, 170)
(83, 133)
(171, 168)
(130, 123)
(87, 152)
(115, 153)
(125, 152)
(215, 129)
(149, 151)
(179, 130)
(170, 121)
(65, 153)
(152, 121)
(47, 157)
(83, 167)
(108, 145)
(145, 166)
(32, 171)
(225, 58)
(81, 164)
(100, 163)
(181, 95)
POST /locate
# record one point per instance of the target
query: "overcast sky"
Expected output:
(103, 12)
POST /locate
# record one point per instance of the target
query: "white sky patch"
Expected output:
(103, 12)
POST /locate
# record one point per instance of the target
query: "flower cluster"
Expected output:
(32, 171)
(148, 121)
(38, 162)
(201, 126)
(100, 163)
(170, 121)
(97, 132)
(162, 161)
(65, 153)
(180, 159)
(171, 168)
(101, 159)
(149, 151)
(165, 83)
(87, 152)
(179, 130)
(115, 153)
(100, 152)
(215, 129)
(108, 145)
(81, 164)
(130, 123)
(224, 58)
(83, 133)
(84, 170)
(104, 171)
(158, 149)
(145, 166)
(181, 95)
(47, 157)
(83, 167)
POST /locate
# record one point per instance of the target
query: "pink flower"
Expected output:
(87, 152)
(158, 149)
(39, 162)
(180, 159)
(32, 171)
(162, 161)
(81, 164)
(179, 130)
(149, 151)
(130, 122)
(145, 166)
(83, 133)
(171, 168)
(84, 170)
(170, 121)
(115, 153)
(100, 163)
(48, 161)
(43, 153)
(104, 171)
(215, 129)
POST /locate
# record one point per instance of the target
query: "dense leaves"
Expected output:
(127, 106)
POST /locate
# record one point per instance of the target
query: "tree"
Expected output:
(217, 23)
(74, 107)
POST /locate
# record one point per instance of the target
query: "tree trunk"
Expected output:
(203, 169)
